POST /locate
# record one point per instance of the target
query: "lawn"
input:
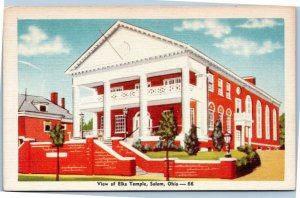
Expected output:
(200, 155)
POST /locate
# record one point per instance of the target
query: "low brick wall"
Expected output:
(89, 157)
(224, 168)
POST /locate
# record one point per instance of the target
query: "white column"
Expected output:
(144, 131)
(76, 112)
(249, 131)
(185, 101)
(199, 119)
(95, 123)
(107, 111)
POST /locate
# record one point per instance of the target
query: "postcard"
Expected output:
(149, 98)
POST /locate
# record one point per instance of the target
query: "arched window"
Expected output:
(211, 111)
(267, 122)
(228, 120)
(221, 113)
(274, 125)
(258, 119)
(248, 105)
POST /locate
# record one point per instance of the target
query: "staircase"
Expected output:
(108, 142)
(140, 171)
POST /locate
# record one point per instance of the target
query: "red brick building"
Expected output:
(147, 73)
(37, 115)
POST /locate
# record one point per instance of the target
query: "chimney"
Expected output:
(250, 79)
(63, 103)
(54, 97)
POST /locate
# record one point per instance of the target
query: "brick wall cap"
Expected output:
(40, 143)
(28, 139)
(198, 161)
(225, 159)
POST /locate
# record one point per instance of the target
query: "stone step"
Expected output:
(140, 171)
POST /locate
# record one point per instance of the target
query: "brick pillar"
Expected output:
(24, 157)
(90, 155)
(228, 168)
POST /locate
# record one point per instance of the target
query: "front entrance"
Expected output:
(136, 125)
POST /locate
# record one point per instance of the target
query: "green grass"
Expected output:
(200, 155)
(51, 177)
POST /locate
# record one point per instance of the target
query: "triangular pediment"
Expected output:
(122, 43)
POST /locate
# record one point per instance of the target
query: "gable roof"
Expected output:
(27, 105)
(200, 56)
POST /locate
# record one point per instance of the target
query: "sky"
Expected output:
(248, 47)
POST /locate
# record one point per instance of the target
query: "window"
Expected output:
(238, 105)
(64, 127)
(192, 116)
(210, 120)
(119, 123)
(101, 122)
(220, 87)
(47, 126)
(258, 120)
(274, 125)
(210, 83)
(249, 105)
(171, 81)
(115, 89)
(137, 85)
(267, 122)
(43, 108)
(228, 90)
(228, 123)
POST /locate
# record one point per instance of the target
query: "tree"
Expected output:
(282, 130)
(167, 129)
(88, 125)
(218, 137)
(58, 139)
(191, 141)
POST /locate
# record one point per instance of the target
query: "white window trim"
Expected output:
(274, 124)
(228, 123)
(240, 101)
(258, 120)
(124, 126)
(211, 126)
(211, 78)
(116, 89)
(267, 123)
(220, 85)
(228, 90)
(45, 126)
(192, 116)
(65, 126)
(176, 81)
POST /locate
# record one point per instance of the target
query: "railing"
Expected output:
(244, 117)
(134, 93)
(97, 133)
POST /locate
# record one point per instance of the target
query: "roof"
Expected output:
(53, 109)
(185, 49)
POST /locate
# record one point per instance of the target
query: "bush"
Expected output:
(161, 146)
(218, 137)
(191, 142)
(248, 163)
(138, 145)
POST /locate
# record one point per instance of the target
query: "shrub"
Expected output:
(161, 146)
(248, 163)
(218, 137)
(138, 145)
(191, 142)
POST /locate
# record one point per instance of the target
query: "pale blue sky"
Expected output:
(245, 46)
